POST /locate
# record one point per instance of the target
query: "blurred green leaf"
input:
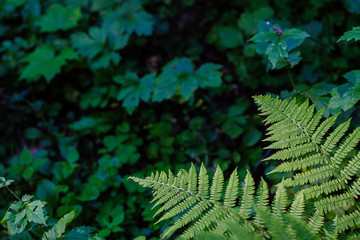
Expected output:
(88, 193)
(134, 90)
(58, 17)
(26, 156)
(43, 62)
(180, 76)
(353, 34)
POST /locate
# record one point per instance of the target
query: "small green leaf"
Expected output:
(353, 34)
(58, 17)
(134, 90)
(26, 156)
(28, 172)
(89, 193)
(264, 37)
(89, 45)
(353, 76)
(179, 76)
(230, 37)
(277, 51)
(294, 33)
(8, 182)
(32, 133)
(209, 75)
(132, 18)
(26, 198)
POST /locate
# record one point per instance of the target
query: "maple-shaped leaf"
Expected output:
(44, 62)
(132, 18)
(94, 47)
(134, 89)
(208, 75)
(58, 17)
(235, 120)
(180, 75)
(353, 34)
(89, 45)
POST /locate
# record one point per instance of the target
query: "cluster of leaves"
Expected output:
(24, 216)
(95, 91)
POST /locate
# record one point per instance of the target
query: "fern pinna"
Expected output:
(324, 166)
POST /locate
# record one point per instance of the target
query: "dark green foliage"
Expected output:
(93, 91)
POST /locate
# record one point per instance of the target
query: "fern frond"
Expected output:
(203, 182)
(324, 128)
(186, 196)
(351, 168)
(217, 185)
(298, 206)
(188, 217)
(347, 221)
(262, 195)
(335, 137)
(301, 230)
(181, 207)
(232, 190)
(327, 187)
(330, 203)
(354, 236)
(348, 145)
(308, 144)
(275, 224)
(204, 222)
(280, 200)
(248, 196)
(234, 232)
(297, 164)
(311, 176)
(316, 221)
(262, 200)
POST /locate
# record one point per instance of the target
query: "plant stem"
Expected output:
(12, 193)
(291, 79)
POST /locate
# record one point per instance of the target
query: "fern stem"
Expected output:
(322, 152)
(211, 202)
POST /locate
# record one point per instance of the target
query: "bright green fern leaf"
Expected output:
(186, 197)
(319, 155)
